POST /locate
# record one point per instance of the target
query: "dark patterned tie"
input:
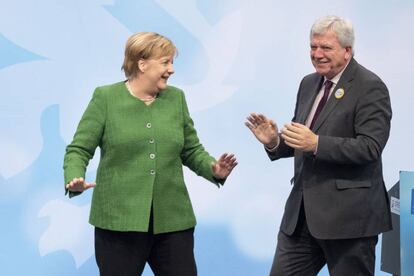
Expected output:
(328, 85)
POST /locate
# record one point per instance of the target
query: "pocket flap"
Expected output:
(348, 184)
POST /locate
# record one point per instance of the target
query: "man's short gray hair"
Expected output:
(340, 26)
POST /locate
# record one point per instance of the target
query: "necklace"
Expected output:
(149, 99)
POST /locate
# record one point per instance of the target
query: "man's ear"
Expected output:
(348, 54)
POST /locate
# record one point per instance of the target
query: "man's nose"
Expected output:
(317, 53)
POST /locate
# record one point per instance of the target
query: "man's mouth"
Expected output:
(321, 61)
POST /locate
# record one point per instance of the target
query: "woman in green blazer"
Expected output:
(141, 209)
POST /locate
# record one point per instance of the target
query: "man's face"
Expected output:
(327, 55)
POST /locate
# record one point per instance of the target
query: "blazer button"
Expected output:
(152, 156)
(151, 141)
(152, 172)
(148, 125)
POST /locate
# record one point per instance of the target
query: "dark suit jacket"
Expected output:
(342, 187)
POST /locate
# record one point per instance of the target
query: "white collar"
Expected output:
(338, 76)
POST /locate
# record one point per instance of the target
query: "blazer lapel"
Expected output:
(308, 102)
(345, 83)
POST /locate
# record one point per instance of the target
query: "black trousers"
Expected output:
(126, 253)
(303, 255)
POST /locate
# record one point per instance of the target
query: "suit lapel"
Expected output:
(308, 102)
(345, 83)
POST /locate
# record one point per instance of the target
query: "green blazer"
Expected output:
(143, 149)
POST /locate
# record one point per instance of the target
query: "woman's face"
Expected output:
(156, 71)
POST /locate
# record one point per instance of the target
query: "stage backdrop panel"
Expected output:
(407, 222)
(235, 57)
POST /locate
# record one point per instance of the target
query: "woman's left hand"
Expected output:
(223, 167)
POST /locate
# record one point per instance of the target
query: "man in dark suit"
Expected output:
(338, 204)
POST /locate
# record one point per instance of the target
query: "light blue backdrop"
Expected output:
(407, 222)
(235, 57)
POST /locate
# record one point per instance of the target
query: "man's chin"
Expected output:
(322, 71)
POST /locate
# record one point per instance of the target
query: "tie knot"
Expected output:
(328, 85)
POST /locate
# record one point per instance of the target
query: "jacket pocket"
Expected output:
(349, 184)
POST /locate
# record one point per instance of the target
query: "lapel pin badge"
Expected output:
(339, 93)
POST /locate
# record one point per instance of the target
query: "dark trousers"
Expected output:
(126, 253)
(303, 255)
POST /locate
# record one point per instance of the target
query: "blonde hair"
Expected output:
(145, 45)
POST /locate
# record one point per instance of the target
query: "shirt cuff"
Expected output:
(274, 148)
(317, 143)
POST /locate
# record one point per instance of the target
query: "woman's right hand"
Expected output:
(79, 185)
(264, 129)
